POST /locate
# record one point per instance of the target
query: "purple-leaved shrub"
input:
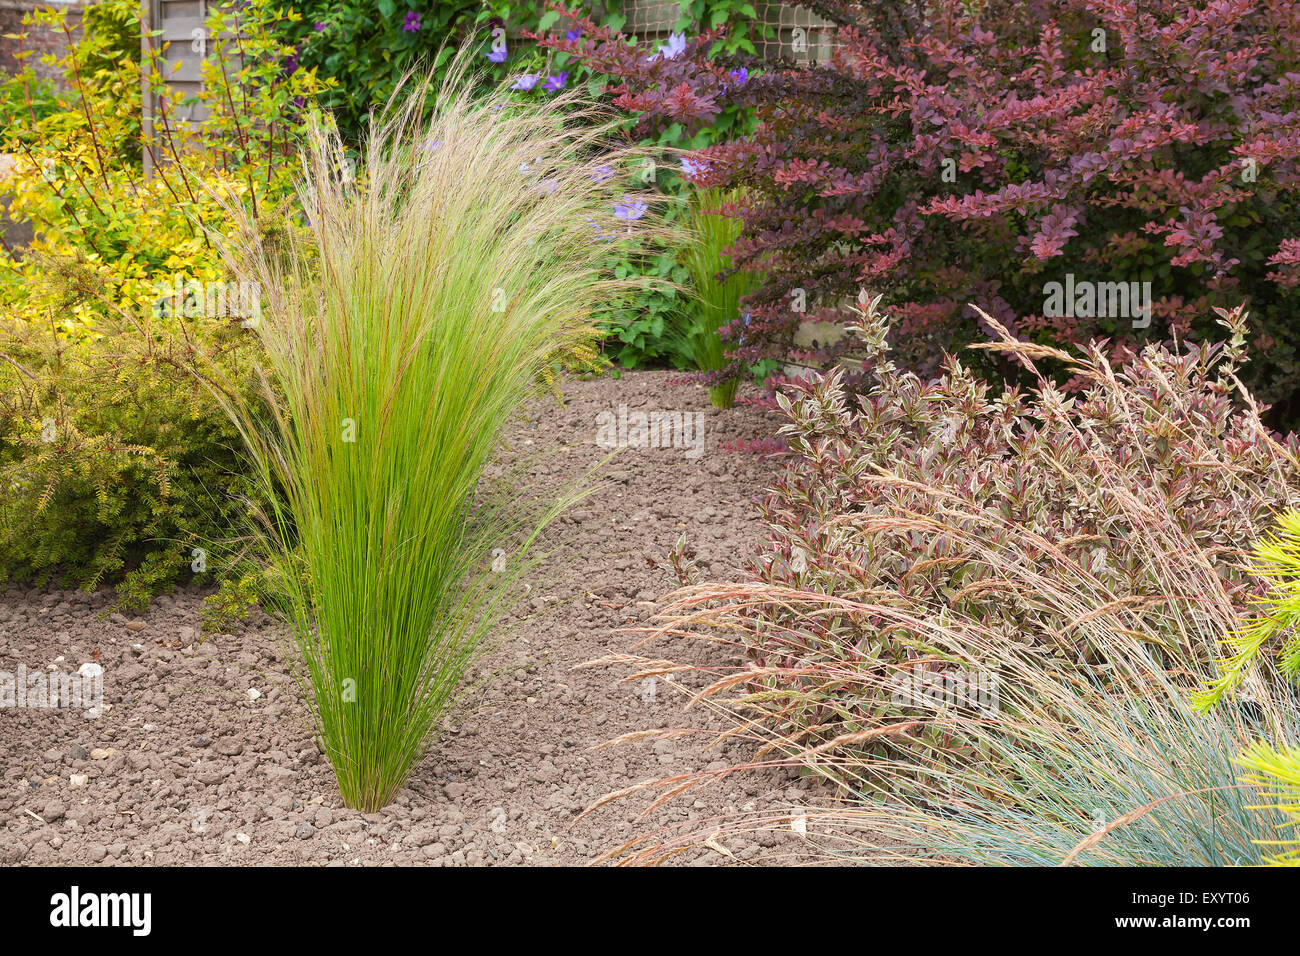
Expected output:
(953, 152)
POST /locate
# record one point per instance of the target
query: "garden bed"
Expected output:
(191, 769)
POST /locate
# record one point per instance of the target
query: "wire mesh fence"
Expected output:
(782, 30)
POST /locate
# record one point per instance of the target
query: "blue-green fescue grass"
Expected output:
(1073, 772)
(716, 291)
(402, 331)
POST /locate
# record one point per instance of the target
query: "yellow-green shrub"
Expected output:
(115, 462)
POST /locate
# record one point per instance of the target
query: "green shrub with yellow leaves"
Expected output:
(116, 463)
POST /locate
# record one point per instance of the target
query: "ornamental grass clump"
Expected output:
(718, 291)
(402, 330)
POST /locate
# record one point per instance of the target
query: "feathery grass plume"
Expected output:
(716, 301)
(999, 751)
(402, 330)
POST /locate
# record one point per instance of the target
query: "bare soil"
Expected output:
(204, 754)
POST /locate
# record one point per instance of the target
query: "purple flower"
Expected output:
(526, 81)
(739, 76)
(556, 82)
(432, 146)
(574, 34)
(602, 174)
(412, 24)
(674, 48)
(549, 186)
(629, 210)
(499, 56)
(689, 169)
(320, 26)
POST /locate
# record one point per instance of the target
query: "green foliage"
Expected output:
(639, 325)
(365, 48)
(644, 328)
(115, 462)
(716, 302)
(234, 599)
(1268, 643)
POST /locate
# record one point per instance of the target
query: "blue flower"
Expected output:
(629, 210)
(602, 174)
(574, 34)
(556, 83)
(526, 81)
(739, 76)
(674, 48)
(498, 56)
(549, 186)
(689, 169)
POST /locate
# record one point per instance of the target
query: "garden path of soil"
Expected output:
(184, 767)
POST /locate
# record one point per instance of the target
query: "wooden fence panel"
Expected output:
(182, 46)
